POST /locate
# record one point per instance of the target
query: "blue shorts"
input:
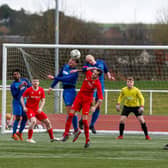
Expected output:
(69, 96)
(18, 110)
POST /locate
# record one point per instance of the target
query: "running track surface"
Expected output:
(111, 122)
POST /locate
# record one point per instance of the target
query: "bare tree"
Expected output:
(160, 30)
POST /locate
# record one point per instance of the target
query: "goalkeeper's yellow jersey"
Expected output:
(131, 97)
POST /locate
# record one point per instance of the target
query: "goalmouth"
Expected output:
(143, 62)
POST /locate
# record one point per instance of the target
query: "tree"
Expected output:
(137, 34)
(5, 11)
(160, 30)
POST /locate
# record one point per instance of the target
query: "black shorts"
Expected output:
(127, 110)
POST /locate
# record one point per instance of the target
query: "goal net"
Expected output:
(147, 64)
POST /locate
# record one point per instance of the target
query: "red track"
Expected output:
(111, 122)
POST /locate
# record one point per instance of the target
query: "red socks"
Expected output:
(68, 124)
(30, 134)
(86, 129)
(50, 132)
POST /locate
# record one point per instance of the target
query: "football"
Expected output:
(8, 116)
(75, 54)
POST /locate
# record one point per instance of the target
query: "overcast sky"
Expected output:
(107, 11)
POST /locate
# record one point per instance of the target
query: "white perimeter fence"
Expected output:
(107, 91)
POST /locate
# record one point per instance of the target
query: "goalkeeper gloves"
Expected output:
(141, 109)
(118, 107)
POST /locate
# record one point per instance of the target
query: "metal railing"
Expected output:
(107, 91)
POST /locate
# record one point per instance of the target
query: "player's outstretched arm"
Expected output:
(67, 78)
(76, 70)
(51, 77)
(109, 76)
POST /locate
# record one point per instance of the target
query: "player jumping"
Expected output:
(69, 91)
(83, 101)
(91, 62)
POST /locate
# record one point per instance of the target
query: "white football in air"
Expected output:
(75, 54)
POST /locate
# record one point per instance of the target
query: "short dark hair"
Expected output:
(15, 70)
(35, 77)
(100, 71)
(76, 60)
(130, 78)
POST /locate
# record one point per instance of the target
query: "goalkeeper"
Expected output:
(133, 102)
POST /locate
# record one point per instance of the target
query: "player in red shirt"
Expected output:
(83, 101)
(35, 95)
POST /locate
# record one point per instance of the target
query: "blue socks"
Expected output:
(15, 125)
(22, 125)
(95, 116)
(75, 122)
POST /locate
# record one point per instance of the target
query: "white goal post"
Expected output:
(141, 60)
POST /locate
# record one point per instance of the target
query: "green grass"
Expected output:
(104, 152)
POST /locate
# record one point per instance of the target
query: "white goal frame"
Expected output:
(13, 45)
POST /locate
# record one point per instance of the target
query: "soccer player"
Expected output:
(34, 109)
(91, 62)
(18, 86)
(133, 102)
(83, 101)
(69, 91)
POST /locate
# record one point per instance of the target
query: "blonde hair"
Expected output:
(90, 57)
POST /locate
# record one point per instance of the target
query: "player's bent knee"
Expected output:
(33, 121)
(47, 123)
(141, 119)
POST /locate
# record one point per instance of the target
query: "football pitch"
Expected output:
(105, 152)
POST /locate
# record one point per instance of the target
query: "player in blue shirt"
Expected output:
(68, 83)
(18, 86)
(91, 62)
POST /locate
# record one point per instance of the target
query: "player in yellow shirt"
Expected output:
(133, 102)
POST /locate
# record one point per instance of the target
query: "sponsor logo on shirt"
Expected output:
(65, 72)
(35, 97)
(90, 84)
(129, 97)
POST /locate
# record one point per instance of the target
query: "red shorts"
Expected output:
(82, 102)
(33, 113)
